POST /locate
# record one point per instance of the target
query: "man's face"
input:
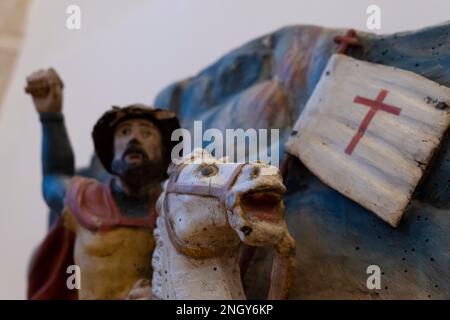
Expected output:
(137, 144)
(143, 135)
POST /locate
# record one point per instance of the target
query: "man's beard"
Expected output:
(138, 176)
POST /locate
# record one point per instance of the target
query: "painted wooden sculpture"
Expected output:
(207, 209)
(105, 228)
(267, 83)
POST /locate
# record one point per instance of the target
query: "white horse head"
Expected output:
(208, 207)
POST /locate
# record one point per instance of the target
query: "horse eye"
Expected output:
(208, 170)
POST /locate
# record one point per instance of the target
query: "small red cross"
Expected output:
(374, 105)
(346, 41)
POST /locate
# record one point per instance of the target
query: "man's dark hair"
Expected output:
(103, 134)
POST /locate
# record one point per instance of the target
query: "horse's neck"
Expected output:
(176, 276)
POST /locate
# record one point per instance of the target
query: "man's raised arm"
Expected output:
(45, 86)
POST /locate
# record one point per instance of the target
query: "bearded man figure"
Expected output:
(106, 229)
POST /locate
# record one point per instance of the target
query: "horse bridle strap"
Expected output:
(219, 192)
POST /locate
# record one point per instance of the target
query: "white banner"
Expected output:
(369, 131)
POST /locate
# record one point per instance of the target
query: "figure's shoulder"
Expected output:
(88, 201)
(82, 185)
(84, 190)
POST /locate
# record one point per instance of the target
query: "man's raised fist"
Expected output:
(45, 86)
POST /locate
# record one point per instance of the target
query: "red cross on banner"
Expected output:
(374, 105)
(369, 131)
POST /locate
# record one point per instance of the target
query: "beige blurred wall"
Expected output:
(125, 52)
(13, 15)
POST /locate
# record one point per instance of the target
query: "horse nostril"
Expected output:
(246, 230)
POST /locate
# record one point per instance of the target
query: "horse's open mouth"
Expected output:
(263, 204)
